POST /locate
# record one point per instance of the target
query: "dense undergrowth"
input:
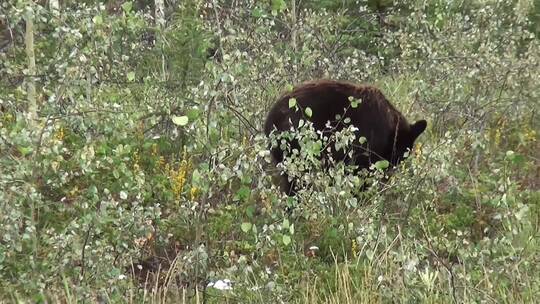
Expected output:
(146, 176)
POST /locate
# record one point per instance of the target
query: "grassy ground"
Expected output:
(145, 177)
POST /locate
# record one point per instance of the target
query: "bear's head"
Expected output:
(405, 140)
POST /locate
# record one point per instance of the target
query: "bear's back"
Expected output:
(374, 116)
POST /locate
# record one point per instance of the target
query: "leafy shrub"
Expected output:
(145, 172)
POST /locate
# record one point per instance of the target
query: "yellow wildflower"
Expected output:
(179, 176)
(59, 134)
(418, 150)
(194, 192)
(354, 248)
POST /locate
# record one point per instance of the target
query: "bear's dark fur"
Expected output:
(388, 133)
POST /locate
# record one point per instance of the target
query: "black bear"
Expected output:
(331, 106)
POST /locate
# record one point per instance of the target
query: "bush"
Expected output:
(145, 175)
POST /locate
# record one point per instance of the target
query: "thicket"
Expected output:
(142, 174)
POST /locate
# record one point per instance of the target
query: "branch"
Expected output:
(84, 249)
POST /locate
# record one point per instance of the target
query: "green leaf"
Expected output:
(250, 211)
(131, 76)
(316, 147)
(215, 136)
(127, 6)
(180, 120)
(196, 177)
(381, 164)
(292, 103)
(257, 12)
(246, 227)
(123, 195)
(289, 87)
(286, 239)
(308, 112)
(514, 157)
(246, 180)
(225, 77)
(193, 114)
(242, 193)
(25, 150)
(354, 102)
(92, 190)
(278, 6)
(97, 20)
(362, 140)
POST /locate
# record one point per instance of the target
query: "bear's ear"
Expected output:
(418, 127)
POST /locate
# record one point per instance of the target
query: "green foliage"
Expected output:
(147, 164)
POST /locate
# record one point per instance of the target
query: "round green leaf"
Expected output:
(193, 114)
(97, 19)
(246, 227)
(286, 239)
(308, 112)
(180, 120)
(381, 164)
(131, 76)
(286, 224)
(292, 102)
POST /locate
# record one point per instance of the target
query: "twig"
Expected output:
(253, 130)
(420, 180)
(442, 262)
(210, 104)
(83, 251)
